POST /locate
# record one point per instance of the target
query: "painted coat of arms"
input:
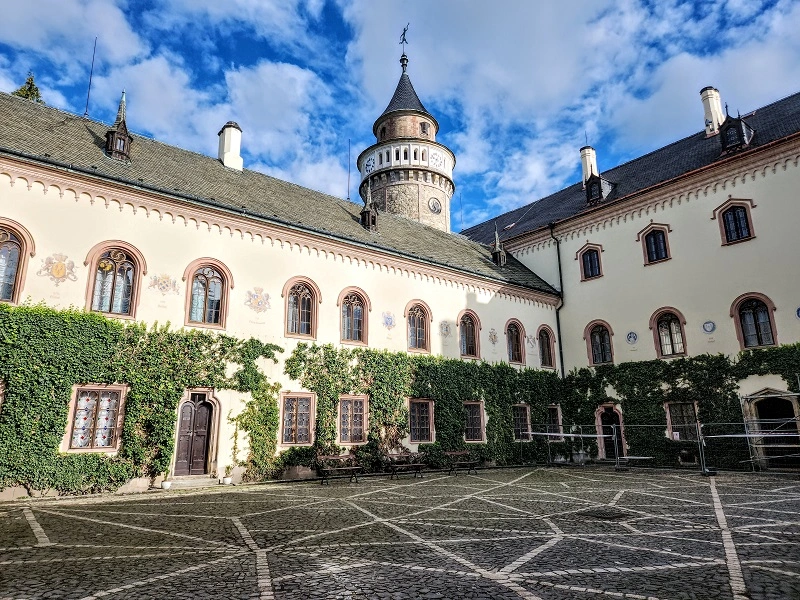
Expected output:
(493, 336)
(164, 284)
(388, 320)
(257, 300)
(58, 268)
(444, 329)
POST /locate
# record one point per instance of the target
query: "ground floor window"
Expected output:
(420, 414)
(352, 419)
(554, 426)
(522, 421)
(681, 421)
(96, 418)
(296, 423)
(473, 426)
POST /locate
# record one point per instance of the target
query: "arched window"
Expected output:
(10, 253)
(417, 317)
(208, 285)
(598, 342)
(590, 263)
(207, 294)
(546, 348)
(667, 325)
(300, 313)
(383, 132)
(423, 129)
(514, 341)
(405, 153)
(655, 243)
(114, 283)
(756, 324)
(355, 306)
(468, 334)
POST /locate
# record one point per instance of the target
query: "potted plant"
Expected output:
(166, 483)
(227, 479)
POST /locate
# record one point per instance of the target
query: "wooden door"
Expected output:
(194, 424)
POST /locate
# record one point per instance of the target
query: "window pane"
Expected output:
(289, 420)
(545, 349)
(123, 288)
(104, 279)
(197, 307)
(665, 336)
(473, 430)
(84, 419)
(764, 326)
(468, 345)
(214, 304)
(106, 425)
(520, 414)
(591, 264)
(303, 420)
(344, 420)
(9, 263)
(683, 420)
(294, 315)
(420, 421)
(656, 242)
(305, 315)
(553, 420)
(601, 345)
(514, 343)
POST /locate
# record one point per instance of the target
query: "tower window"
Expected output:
(423, 129)
(415, 155)
(405, 154)
(423, 155)
(387, 156)
(383, 132)
(397, 154)
(380, 158)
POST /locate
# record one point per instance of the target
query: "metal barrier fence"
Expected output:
(749, 445)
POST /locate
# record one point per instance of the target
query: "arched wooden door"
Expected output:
(194, 428)
(610, 426)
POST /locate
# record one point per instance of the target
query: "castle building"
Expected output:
(681, 252)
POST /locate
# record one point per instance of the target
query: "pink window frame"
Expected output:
(141, 270)
(428, 321)
(477, 323)
(227, 286)
(552, 335)
(734, 313)
(27, 250)
(365, 321)
(579, 257)
(587, 336)
(519, 325)
(66, 441)
(657, 339)
(745, 203)
(315, 302)
(640, 237)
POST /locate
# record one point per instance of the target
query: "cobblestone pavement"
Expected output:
(513, 533)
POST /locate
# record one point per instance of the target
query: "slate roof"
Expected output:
(771, 123)
(405, 98)
(47, 135)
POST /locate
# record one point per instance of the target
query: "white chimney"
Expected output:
(589, 163)
(230, 144)
(712, 107)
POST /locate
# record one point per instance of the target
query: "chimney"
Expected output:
(230, 143)
(589, 163)
(712, 107)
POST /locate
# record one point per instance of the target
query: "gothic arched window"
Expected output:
(418, 333)
(353, 329)
(208, 295)
(598, 343)
(114, 283)
(669, 334)
(11, 250)
(300, 310)
(756, 324)
(514, 337)
(468, 335)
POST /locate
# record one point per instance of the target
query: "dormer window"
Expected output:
(118, 140)
(594, 189)
(735, 134)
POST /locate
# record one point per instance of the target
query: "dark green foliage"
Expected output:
(45, 352)
(29, 90)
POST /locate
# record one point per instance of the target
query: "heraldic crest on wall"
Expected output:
(493, 336)
(164, 284)
(257, 300)
(444, 329)
(388, 320)
(58, 267)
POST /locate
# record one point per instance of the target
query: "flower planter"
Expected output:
(227, 480)
(165, 485)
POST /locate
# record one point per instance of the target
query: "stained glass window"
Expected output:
(353, 318)
(207, 297)
(10, 251)
(95, 421)
(113, 283)
(299, 308)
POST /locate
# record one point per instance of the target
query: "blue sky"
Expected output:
(516, 85)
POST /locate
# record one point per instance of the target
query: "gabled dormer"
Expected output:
(118, 140)
(735, 134)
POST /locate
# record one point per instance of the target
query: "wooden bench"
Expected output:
(344, 464)
(461, 460)
(403, 463)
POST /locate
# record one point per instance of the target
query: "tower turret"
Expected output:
(408, 171)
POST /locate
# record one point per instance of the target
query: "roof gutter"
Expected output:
(552, 226)
(239, 213)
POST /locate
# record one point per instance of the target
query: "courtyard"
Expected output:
(504, 533)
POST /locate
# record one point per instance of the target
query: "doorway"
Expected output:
(609, 425)
(194, 429)
(777, 419)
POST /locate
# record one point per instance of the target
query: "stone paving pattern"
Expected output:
(508, 533)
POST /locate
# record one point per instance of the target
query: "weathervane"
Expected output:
(403, 40)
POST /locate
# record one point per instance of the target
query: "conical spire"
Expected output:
(405, 98)
(120, 111)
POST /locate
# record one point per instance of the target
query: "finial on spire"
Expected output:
(496, 237)
(121, 110)
(403, 40)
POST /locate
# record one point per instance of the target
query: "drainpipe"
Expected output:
(552, 226)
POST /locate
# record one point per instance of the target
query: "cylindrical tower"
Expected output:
(409, 172)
